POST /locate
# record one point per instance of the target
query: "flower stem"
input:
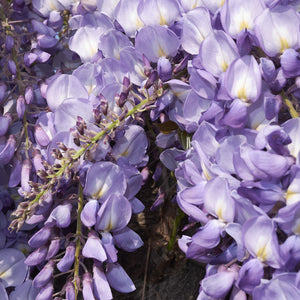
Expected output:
(78, 241)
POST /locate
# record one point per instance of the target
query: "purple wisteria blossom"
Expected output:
(99, 98)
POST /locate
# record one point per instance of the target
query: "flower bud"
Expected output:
(12, 67)
(147, 66)
(25, 175)
(29, 58)
(44, 276)
(45, 292)
(9, 43)
(103, 105)
(164, 69)
(68, 259)
(5, 121)
(8, 150)
(29, 94)
(97, 115)
(70, 291)
(37, 256)
(87, 287)
(3, 88)
(152, 78)
(20, 106)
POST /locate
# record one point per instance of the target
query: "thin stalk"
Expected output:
(291, 108)
(78, 241)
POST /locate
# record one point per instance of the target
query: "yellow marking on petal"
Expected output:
(109, 226)
(283, 44)
(124, 153)
(93, 51)
(244, 24)
(161, 52)
(98, 194)
(288, 195)
(262, 253)
(224, 65)
(206, 172)
(139, 23)
(219, 213)
(162, 20)
(6, 273)
(242, 93)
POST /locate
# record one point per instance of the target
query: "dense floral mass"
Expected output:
(83, 86)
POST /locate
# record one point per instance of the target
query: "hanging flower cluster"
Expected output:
(81, 84)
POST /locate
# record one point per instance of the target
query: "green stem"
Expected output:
(78, 241)
(176, 223)
(292, 110)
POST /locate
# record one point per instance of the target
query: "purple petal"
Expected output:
(276, 289)
(68, 259)
(217, 51)
(250, 275)
(13, 269)
(89, 213)
(236, 117)
(196, 25)
(132, 145)
(162, 12)
(127, 240)
(63, 87)
(101, 287)
(87, 287)
(238, 15)
(61, 215)
(261, 241)
(221, 204)
(118, 279)
(243, 79)
(45, 292)
(23, 291)
(290, 63)
(40, 237)
(36, 257)
(44, 276)
(104, 178)
(114, 213)
(53, 248)
(219, 284)
(127, 16)
(164, 42)
(277, 29)
(7, 152)
(268, 69)
(93, 248)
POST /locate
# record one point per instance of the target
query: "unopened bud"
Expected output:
(147, 66)
(126, 84)
(20, 106)
(25, 175)
(97, 115)
(9, 43)
(103, 105)
(29, 94)
(62, 146)
(76, 141)
(121, 100)
(56, 153)
(181, 65)
(152, 78)
(12, 67)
